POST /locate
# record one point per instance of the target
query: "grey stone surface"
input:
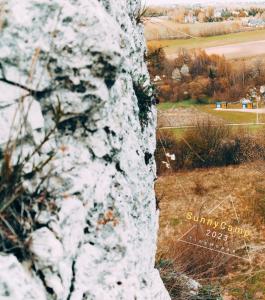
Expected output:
(80, 60)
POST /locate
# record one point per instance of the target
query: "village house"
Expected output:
(190, 18)
(256, 23)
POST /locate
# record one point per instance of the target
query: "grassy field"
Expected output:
(201, 191)
(248, 129)
(178, 132)
(183, 104)
(227, 116)
(172, 46)
(156, 28)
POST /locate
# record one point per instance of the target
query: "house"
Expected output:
(256, 23)
(217, 14)
(190, 18)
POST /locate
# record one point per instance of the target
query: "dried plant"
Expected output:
(140, 14)
(18, 206)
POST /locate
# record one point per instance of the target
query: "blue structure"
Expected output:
(247, 103)
(218, 105)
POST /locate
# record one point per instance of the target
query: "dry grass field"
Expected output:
(157, 28)
(188, 114)
(247, 49)
(172, 46)
(195, 202)
(232, 194)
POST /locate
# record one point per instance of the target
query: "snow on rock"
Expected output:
(74, 65)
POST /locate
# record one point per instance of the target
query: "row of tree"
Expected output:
(206, 14)
(209, 76)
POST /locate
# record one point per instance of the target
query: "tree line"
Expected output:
(209, 76)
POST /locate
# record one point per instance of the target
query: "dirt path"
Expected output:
(181, 117)
(246, 110)
(239, 50)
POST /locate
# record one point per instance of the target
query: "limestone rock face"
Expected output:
(70, 76)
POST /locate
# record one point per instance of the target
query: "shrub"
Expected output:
(165, 91)
(199, 189)
(210, 144)
(140, 15)
(207, 145)
(196, 264)
(144, 95)
(177, 284)
(199, 88)
(156, 60)
(167, 143)
(17, 209)
(209, 75)
(208, 292)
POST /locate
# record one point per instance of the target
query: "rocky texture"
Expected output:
(69, 73)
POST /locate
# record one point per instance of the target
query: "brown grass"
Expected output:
(209, 144)
(166, 29)
(201, 191)
(3, 20)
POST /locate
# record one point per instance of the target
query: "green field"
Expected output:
(183, 104)
(171, 46)
(252, 129)
(228, 117)
(232, 117)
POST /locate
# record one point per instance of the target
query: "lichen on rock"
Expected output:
(72, 67)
